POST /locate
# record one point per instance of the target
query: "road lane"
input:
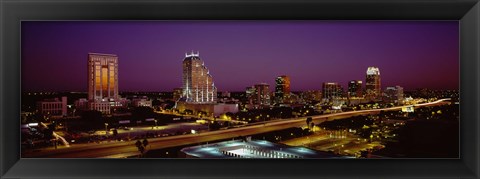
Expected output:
(109, 149)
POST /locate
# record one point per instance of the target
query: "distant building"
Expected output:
(250, 94)
(311, 95)
(209, 109)
(198, 85)
(103, 83)
(177, 94)
(143, 101)
(355, 88)
(282, 89)
(226, 94)
(259, 94)
(394, 95)
(81, 104)
(54, 107)
(102, 106)
(372, 82)
(331, 90)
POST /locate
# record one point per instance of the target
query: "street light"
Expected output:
(106, 128)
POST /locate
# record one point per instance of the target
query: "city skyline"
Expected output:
(243, 53)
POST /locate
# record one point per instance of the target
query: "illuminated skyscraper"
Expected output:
(332, 90)
(372, 82)
(103, 83)
(355, 88)
(102, 76)
(282, 88)
(198, 86)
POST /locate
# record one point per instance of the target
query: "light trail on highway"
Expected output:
(117, 148)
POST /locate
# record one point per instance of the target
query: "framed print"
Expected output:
(239, 89)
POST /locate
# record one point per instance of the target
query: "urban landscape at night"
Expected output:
(240, 89)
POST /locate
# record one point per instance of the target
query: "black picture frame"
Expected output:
(12, 12)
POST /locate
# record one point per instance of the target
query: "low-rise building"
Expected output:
(252, 149)
(53, 107)
(143, 101)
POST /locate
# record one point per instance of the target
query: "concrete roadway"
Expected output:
(116, 148)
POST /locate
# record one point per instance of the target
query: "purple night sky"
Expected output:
(412, 54)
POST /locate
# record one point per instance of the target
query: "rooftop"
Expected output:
(253, 149)
(102, 54)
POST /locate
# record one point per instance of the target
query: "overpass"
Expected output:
(118, 148)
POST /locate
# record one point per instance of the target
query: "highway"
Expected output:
(105, 150)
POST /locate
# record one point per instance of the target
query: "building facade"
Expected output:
(259, 94)
(355, 88)
(331, 90)
(372, 82)
(282, 89)
(102, 78)
(311, 95)
(394, 95)
(198, 85)
(142, 102)
(54, 107)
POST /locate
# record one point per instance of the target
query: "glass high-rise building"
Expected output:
(355, 88)
(258, 94)
(331, 90)
(198, 86)
(372, 82)
(282, 88)
(262, 94)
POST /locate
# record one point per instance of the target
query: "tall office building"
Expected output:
(372, 82)
(355, 88)
(259, 94)
(103, 83)
(331, 90)
(250, 94)
(102, 76)
(198, 86)
(282, 89)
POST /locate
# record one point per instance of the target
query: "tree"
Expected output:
(214, 126)
(138, 143)
(38, 117)
(91, 120)
(141, 146)
(141, 149)
(145, 142)
(142, 112)
(188, 111)
(309, 120)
